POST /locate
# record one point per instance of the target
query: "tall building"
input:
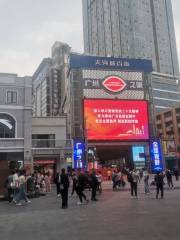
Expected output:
(46, 89)
(132, 28)
(49, 82)
(136, 29)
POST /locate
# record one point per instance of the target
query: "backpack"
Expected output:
(129, 178)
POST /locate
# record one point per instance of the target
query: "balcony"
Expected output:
(169, 129)
(168, 119)
(50, 146)
(12, 144)
(158, 122)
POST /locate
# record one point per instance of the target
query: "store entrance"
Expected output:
(114, 156)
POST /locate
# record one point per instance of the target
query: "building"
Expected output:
(134, 29)
(165, 91)
(15, 120)
(46, 89)
(50, 82)
(50, 149)
(107, 99)
(168, 129)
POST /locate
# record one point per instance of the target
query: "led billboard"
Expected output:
(116, 119)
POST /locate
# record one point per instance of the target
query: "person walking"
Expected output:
(21, 195)
(81, 184)
(94, 185)
(64, 185)
(146, 182)
(10, 186)
(100, 179)
(74, 183)
(159, 181)
(176, 174)
(169, 178)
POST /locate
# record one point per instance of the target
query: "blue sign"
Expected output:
(93, 62)
(157, 163)
(79, 154)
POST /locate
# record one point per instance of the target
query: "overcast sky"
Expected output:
(30, 27)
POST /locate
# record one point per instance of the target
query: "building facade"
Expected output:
(168, 129)
(50, 82)
(15, 118)
(165, 91)
(132, 28)
(46, 89)
(105, 97)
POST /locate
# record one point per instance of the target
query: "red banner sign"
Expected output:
(116, 119)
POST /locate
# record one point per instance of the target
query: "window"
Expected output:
(11, 97)
(7, 126)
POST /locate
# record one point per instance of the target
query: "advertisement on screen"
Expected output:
(106, 119)
(138, 153)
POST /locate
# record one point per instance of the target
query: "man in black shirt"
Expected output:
(159, 180)
(94, 185)
(64, 185)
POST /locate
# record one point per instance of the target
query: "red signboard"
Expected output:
(44, 162)
(114, 84)
(116, 119)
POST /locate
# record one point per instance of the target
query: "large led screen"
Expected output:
(116, 119)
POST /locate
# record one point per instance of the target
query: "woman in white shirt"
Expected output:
(21, 195)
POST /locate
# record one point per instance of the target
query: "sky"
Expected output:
(30, 27)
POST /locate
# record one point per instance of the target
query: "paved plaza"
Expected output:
(114, 216)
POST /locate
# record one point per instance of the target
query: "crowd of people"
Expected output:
(80, 181)
(21, 186)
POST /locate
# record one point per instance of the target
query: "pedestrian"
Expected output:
(114, 179)
(134, 183)
(57, 182)
(74, 183)
(159, 181)
(100, 179)
(47, 179)
(169, 178)
(146, 182)
(64, 186)
(10, 186)
(81, 184)
(109, 174)
(21, 195)
(94, 185)
(176, 174)
(140, 174)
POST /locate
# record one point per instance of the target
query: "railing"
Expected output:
(52, 143)
(13, 143)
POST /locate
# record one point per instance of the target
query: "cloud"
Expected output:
(29, 29)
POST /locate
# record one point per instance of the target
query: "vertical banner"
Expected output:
(79, 154)
(157, 161)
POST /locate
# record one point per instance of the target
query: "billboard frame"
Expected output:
(113, 140)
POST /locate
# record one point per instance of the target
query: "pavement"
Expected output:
(114, 216)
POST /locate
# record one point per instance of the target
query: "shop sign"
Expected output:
(157, 161)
